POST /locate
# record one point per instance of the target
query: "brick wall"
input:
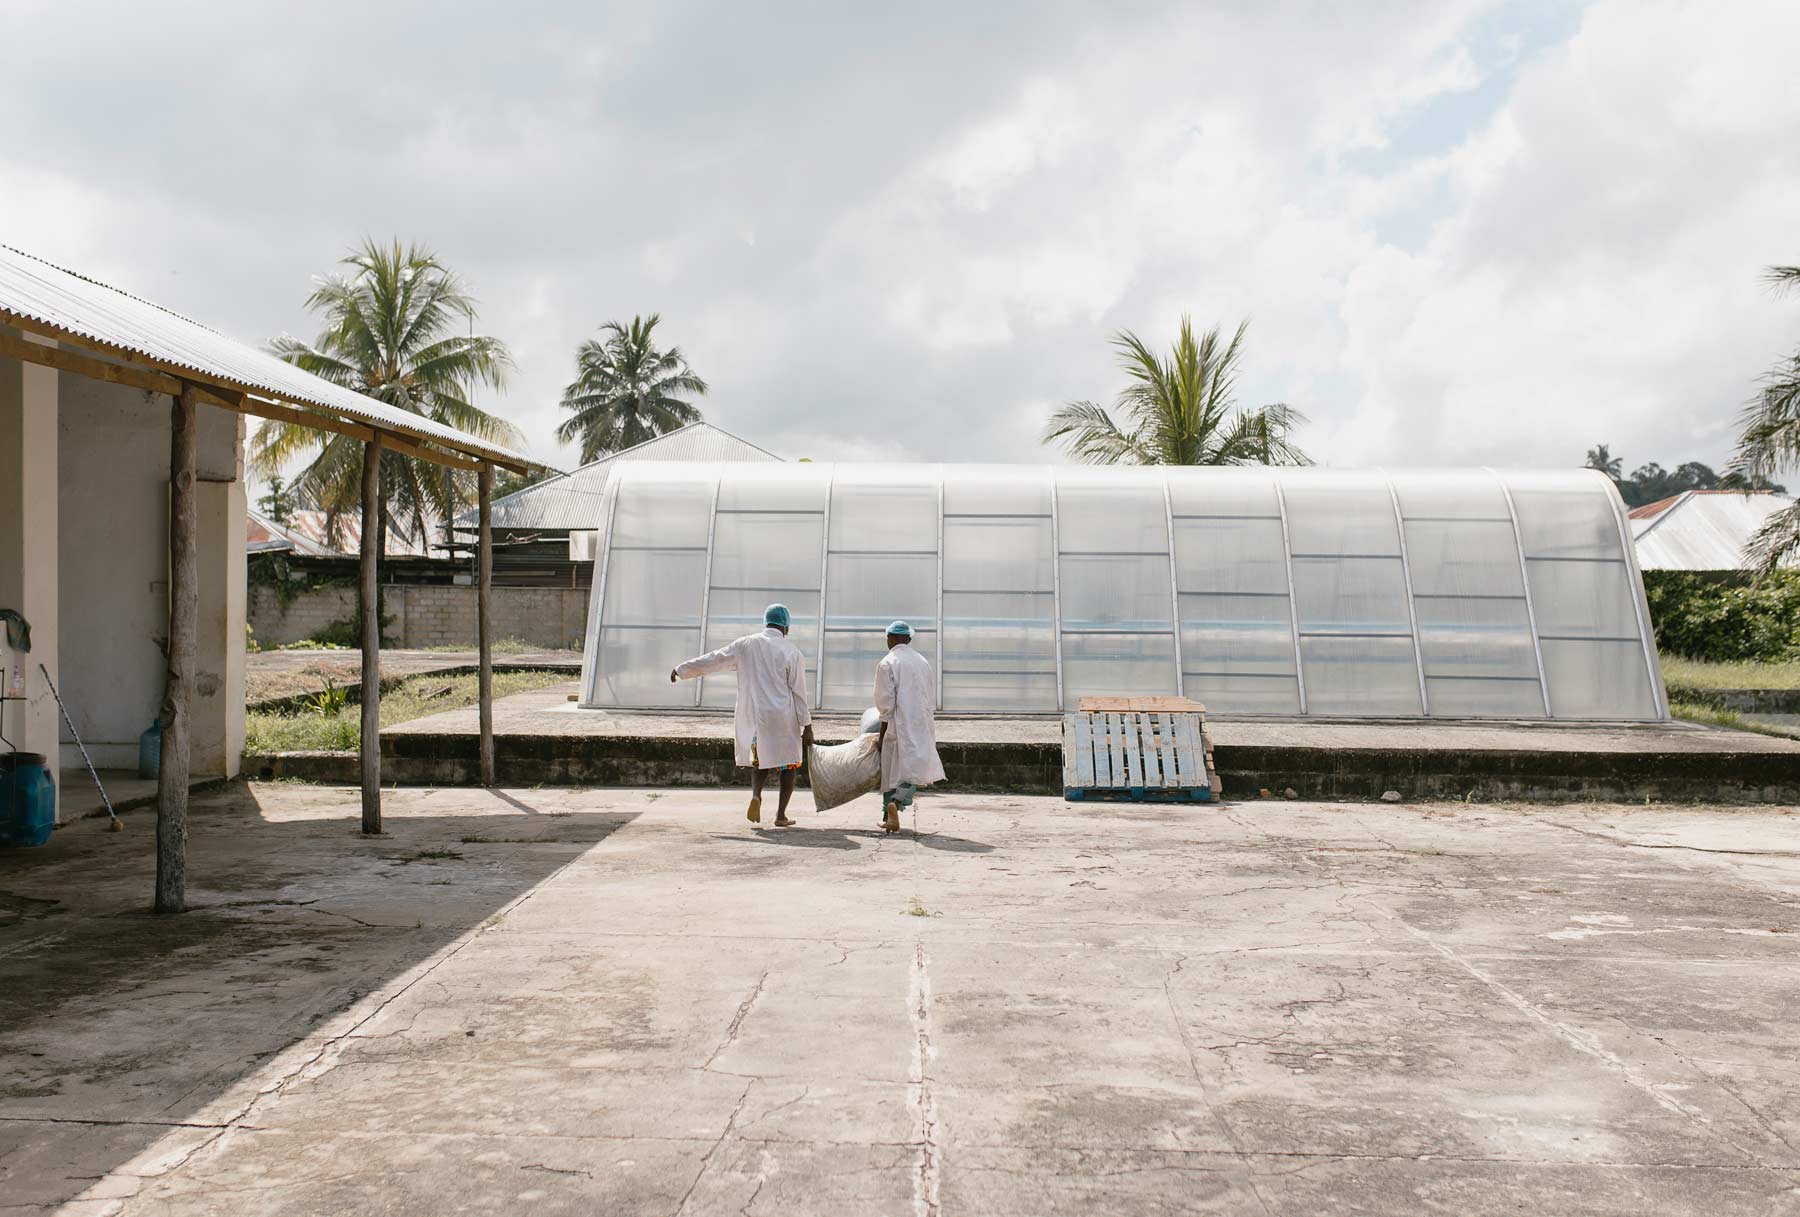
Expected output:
(429, 616)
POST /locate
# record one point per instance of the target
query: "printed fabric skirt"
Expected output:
(756, 763)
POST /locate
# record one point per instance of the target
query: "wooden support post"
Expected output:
(370, 600)
(484, 621)
(178, 687)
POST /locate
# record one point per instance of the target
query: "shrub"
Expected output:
(1725, 615)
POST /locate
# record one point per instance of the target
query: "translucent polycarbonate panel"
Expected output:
(996, 490)
(1360, 677)
(850, 660)
(669, 510)
(1236, 634)
(773, 487)
(999, 632)
(654, 587)
(1605, 680)
(1222, 492)
(989, 553)
(884, 509)
(1463, 558)
(1096, 665)
(1475, 638)
(756, 549)
(999, 692)
(1582, 599)
(1096, 514)
(1457, 494)
(1115, 593)
(1350, 596)
(734, 614)
(1243, 694)
(632, 667)
(1565, 515)
(868, 589)
(1230, 555)
(1462, 698)
(1339, 513)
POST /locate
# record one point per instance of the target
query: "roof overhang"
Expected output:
(133, 342)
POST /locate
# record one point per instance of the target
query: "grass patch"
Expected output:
(506, 646)
(430, 855)
(1741, 674)
(1713, 716)
(415, 697)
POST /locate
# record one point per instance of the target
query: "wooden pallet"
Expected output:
(1146, 755)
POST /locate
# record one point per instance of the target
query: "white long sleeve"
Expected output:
(722, 660)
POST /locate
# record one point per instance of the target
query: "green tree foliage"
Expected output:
(1181, 410)
(1650, 482)
(1769, 443)
(1725, 615)
(1600, 457)
(278, 503)
(627, 390)
(396, 327)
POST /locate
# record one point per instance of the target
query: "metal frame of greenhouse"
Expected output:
(1445, 594)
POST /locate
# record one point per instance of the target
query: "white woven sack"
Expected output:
(841, 772)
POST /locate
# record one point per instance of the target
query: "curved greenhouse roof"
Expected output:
(1447, 593)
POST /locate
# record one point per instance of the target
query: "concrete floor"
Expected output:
(617, 1001)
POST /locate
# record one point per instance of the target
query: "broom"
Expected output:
(118, 825)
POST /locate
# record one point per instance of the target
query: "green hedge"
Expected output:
(1725, 615)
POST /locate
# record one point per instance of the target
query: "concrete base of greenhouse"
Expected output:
(542, 737)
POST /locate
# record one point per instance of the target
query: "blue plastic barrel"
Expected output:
(27, 799)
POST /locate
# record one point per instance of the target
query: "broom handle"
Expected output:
(78, 743)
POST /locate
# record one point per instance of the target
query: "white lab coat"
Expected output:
(906, 694)
(771, 694)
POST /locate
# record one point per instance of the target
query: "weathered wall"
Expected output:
(113, 491)
(428, 615)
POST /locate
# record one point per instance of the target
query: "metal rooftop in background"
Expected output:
(572, 500)
(1701, 529)
(96, 315)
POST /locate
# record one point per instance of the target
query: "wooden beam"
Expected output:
(219, 387)
(484, 621)
(371, 637)
(184, 609)
(87, 365)
(219, 397)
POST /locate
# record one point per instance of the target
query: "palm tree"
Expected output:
(1178, 411)
(1600, 457)
(1769, 443)
(389, 333)
(625, 390)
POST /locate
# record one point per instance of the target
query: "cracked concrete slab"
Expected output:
(630, 1001)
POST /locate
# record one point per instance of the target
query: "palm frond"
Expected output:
(1776, 543)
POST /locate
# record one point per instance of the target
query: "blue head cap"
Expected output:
(900, 630)
(776, 614)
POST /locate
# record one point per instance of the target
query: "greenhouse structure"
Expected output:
(1445, 593)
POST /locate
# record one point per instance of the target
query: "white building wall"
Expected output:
(114, 573)
(28, 544)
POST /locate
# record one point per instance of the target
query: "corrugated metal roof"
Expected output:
(1703, 530)
(572, 500)
(38, 291)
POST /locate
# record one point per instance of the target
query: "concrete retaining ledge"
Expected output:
(1744, 701)
(1542, 775)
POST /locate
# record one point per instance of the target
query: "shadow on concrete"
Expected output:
(117, 1025)
(802, 837)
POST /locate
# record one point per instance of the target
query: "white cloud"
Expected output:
(1477, 231)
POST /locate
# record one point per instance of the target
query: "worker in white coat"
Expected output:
(773, 722)
(906, 697)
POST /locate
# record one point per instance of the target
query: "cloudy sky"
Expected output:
(1463, 232)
